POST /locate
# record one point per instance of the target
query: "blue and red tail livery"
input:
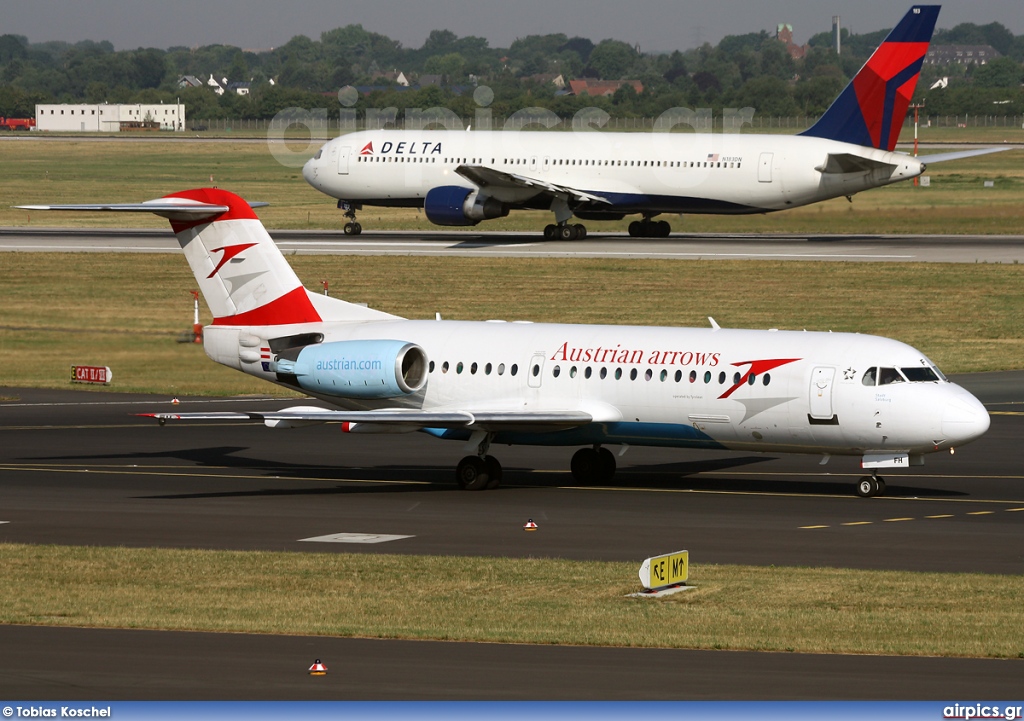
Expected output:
(871, 109)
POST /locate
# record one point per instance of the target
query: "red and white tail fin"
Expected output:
(242, 274)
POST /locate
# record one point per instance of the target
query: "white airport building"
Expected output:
(104, 117)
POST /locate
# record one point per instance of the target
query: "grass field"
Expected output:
(125, 310)
(63, 171)
(540, 601)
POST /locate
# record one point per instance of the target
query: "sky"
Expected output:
(656, 25)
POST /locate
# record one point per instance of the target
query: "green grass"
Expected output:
(126, 310)
(39, 171)
(539, 601)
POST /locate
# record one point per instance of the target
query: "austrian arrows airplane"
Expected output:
(460, 178)
(590, 386)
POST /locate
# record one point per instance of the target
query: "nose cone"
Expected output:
(964, 419)
(309, 171)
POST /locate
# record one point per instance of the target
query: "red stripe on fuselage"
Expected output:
(292, 307)
(757, 367)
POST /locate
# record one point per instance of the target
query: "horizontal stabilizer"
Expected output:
(959, 154)
(171, 208)
(838, 163)
(485, 420)
(485, 177)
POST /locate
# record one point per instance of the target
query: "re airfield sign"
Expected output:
(670, 569)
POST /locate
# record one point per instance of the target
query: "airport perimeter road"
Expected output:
(853, 248)
(80, 468)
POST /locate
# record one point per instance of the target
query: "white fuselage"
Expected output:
(635, 172)
(777, 391)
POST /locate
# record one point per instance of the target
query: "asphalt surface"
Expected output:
(81, 468)
(475, 243)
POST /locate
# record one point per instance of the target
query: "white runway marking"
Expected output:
(355, 538)
(137, 403)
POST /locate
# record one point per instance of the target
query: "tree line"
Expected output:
(750, 70)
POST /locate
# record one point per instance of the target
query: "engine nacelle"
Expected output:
(356, 368)
(455, 205)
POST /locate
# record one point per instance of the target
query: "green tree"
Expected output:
(999, 73)
(612, 59)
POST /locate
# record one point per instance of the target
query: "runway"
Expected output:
(80, 468)
(682, 246)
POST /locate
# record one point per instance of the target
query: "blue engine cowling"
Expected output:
(455, 205)
(357, 368)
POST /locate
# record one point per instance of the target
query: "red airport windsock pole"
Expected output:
(197, 328)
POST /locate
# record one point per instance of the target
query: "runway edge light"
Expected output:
(664, 574)
(530, 526)
(317, 669)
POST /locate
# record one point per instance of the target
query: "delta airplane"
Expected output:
(492, 383)
(461, 178)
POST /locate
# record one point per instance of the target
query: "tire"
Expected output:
(350, 228)
(664, 229)
(494, 472)
(584, 465)
(581, 231)
(550, 232)
(471, 474)
(634, 229)
(867, 487)
(567, 232)
(605, 466)
(357, 229)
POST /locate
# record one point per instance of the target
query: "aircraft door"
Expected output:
(535, 371)
(821, 393)
(343, 154)
(764, 168)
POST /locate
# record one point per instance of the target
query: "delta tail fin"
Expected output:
(242, 274)
(870, 110)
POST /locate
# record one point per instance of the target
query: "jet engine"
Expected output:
(355, 368)
(455, 205)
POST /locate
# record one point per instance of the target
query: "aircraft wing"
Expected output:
(485, 177)
(406, 418)
(959, 154)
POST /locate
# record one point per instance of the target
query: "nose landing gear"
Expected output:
(352, 227)
(870, 486)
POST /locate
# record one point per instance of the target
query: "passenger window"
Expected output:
(693, 376)
(767, 378)
(869, 377)
(632, 374)
(721, 378)
(604, 373)
(487, 369)
(586, 373)
(889, 375)
(501, 369)
(618, 373)
(572, 372)
(444, 367)
(664, 375)
(472, 369)
(459, 367)
(536, 370)
(554, 371)
(736, 378)
(431, 366)
(751, 379)
(514, 369)
(707, 376)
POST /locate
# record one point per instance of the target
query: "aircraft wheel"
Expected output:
(494, 472)
(584, 465)
(605, 466)
(550, 232)
(869, 487)
(357, 229)
(663, 229)
(567, 232)
(635, 229)
(350, 229)
(581, 231)
(471, 474)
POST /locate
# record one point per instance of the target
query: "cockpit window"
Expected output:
(869, 376)
(922, 374)
(889, 375)
(318, 154)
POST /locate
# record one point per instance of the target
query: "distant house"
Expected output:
(189, 81)
(395, 76)
(544, 78)
(426, 80)
(240, 88)
(784, 34)
(217, 87)
(960, 54)
(597, 88)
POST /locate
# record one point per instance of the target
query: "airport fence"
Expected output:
(716, 123)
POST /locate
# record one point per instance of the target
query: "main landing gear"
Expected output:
(648, 228)
(589, 466)
(352, 227)
(565, 231)
(870, 486)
